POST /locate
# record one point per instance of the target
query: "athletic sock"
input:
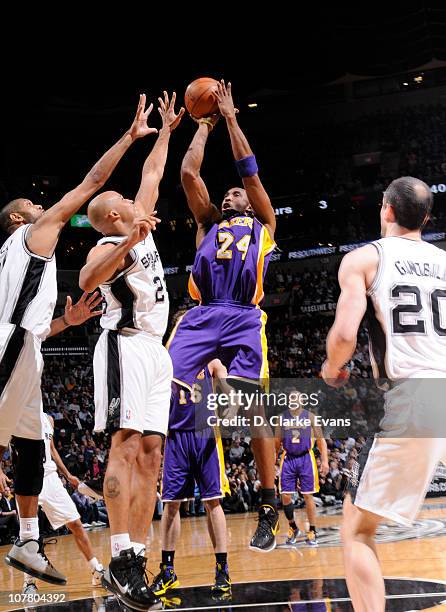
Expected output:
(120, 541)
(269, 497)
(167, 557)
(221, 558)
(29, 529)
(313, 528)
(95, 565)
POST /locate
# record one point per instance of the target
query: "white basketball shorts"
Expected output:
(132, 382)
(21, 365)
(58, 506)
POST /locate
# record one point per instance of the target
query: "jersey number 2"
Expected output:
(159, 294)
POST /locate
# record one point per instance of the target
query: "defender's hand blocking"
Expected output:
(83, 310)
(141, 228)
(167, 111)
(139, 127)
(225, 101)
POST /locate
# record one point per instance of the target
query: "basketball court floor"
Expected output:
(299, 578)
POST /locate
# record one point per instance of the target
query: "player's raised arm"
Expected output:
(246, 161)
(43, 235)
(153, 168)
(354, 271)
(194, 187)
(105, 260)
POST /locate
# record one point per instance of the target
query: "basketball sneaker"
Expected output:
(96, 576)
(29, 556)
(222, 582)
(165, 580)
(30, 588)
(293, 535)
(125, 579)
(311, 539)
(264, 538)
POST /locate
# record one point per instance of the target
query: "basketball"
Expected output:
(200, 99)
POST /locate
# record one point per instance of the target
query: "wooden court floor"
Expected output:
(421, 556)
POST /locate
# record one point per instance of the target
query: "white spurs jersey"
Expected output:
(137, 298)
(407, 310)
(28, 286)
(48, 433)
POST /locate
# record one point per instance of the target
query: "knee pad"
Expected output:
(289, 511)
(27, 461)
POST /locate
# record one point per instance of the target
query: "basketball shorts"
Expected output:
(21, 365)
(235, 334)
(394, 469)
(132, 382)
(189, 458)
(56, 502)
(302, 470)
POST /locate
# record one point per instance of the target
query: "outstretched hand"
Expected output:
(167, 111)
(83, 310)
(224, 99)
(139, 127)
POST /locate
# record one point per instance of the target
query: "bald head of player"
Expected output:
(19, 212)
(111, 214)
(235, 200)
(407, 202)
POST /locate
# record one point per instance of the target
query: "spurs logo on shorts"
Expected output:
(113, 409)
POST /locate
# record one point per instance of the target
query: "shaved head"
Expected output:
(101, 209)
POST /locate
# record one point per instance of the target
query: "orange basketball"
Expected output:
(200, 99)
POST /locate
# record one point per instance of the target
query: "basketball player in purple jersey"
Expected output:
(234, 245)
(297, 434)
(194, 453)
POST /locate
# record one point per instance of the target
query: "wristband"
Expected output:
(247, 166)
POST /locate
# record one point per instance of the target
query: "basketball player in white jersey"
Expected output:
(401, 281)
(132, 369)
(59, 507)
(28, 292)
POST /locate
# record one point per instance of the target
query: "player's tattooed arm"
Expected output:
(43, 235)
(255, 190)
(154, 165)
(105, 260)
(205, 213)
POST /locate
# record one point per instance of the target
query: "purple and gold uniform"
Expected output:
(227, 278)
(193, 450)
(298, 462)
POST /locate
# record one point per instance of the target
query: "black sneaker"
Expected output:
(222, 582)
(264, 539)
(125, 579)
(165, 580)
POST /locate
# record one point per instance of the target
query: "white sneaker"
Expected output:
(29, 557)
(96, 576)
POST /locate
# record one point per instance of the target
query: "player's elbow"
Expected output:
(86, 281)
(188, 174)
